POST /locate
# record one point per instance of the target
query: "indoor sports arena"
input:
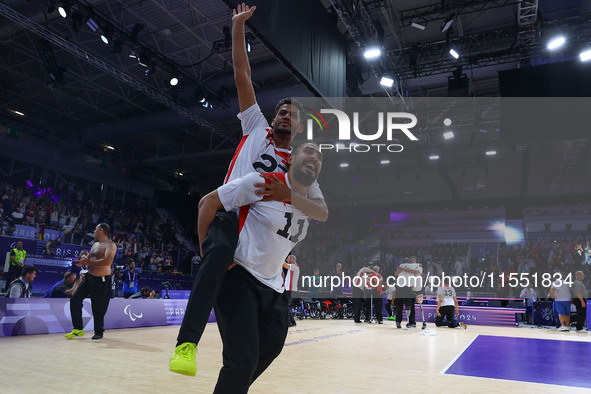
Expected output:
(313, 196)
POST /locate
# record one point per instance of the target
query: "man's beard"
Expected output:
(302, 177)
(282, 131)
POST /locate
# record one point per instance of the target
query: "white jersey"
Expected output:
(257, 150)
(410, 280)
(268, 230)
(448, 294)
(291, 277)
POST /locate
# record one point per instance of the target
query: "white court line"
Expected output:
(444, 370)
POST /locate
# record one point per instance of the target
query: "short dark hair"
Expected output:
(295, 103)
(28, 269)
(106, 228)
(146, 288)
(68, 274)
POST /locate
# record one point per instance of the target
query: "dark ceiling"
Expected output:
(79, 95)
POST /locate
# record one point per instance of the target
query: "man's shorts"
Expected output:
(563, 308)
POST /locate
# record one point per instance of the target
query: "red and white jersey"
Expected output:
(268, 230)
(291, 277)
(257, 150)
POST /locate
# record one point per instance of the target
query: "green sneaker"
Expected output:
(183, 359)
(75, 333)
(391, 318)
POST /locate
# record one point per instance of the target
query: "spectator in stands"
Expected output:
(51, 246)
(580, 295)
(18, 257)
(130, 279)
(64, 288)
(144, 293)
(562, 299)
(22, 286)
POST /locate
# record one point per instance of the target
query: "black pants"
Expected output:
(290, 317)
(372, 297)
(446, 312)
(253, 325)
(389, 307)
(410, 309)
(14, 271)
(581, 313)
(357, 295)
(218, 255)
(99, 290)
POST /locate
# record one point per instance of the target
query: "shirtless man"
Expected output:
(97, 283)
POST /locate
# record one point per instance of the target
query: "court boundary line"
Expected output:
(448, 366)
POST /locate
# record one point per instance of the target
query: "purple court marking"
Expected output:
(546, 361)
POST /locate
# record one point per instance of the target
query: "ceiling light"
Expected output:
(448, 135)
(174, 80)
(388, 82)
(491, 152)
(344, 165)
(107, 34)
(16, 112)
(556, 43)
(447, 24)
(92, 24)
(109, 147)
(385, 162)
(434, 157)
(64, 10)
(372, 53)
(418, 26)
(585, 55)
(454, 53)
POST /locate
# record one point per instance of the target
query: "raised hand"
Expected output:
(242, 13)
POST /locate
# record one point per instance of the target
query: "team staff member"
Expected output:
(580, 295)
(261, 149)
(447, 307)
(409, 275)
(22, 286)
(18, 257)
(291, 270)
(96, 283)
(64, 288)
(130, 286)
(358, 291)
(250, 307)
(374, 295)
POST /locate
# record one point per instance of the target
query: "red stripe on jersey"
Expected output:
(281, 176)
(238, 149)
(242, 216)
(291, 280)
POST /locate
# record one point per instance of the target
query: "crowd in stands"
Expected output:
(139, 232)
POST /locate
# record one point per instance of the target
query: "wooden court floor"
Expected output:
(320, 356)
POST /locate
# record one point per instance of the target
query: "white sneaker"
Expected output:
(563, 328)
(584, 330)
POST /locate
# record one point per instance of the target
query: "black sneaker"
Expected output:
(97, 336)
(380, 322)
(398, 325)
